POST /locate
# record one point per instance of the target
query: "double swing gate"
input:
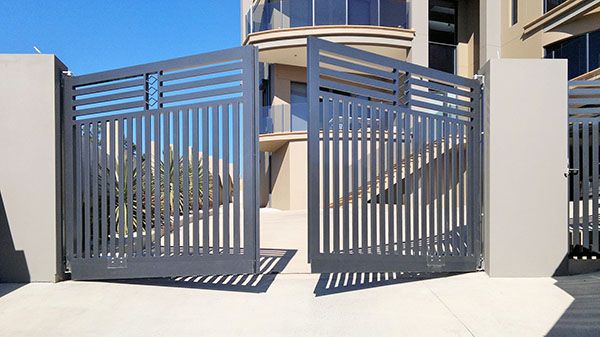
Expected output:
(394, 164)
(584, 164)
(160, 168)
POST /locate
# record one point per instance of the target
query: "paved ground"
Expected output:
(294, 303)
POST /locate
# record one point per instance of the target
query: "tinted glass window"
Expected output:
(330, 12)
(574, 50)
(362, 12)
(442, 57)
(393, 13)
(299, 106)
(442, 21)
(551, 4)
(594, 50)
(299, 13)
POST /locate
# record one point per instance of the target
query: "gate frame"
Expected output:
(168, 266)
(381, 262)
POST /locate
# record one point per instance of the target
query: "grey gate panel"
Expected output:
(160, 168)
(394, 164)
(584, 162)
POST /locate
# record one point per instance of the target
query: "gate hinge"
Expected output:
(480, 78)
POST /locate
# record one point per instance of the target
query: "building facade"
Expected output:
(455, 36)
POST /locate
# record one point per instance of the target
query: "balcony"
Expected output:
(280, 14)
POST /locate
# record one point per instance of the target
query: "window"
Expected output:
(298, 12)
(582, 53)
(594, 52)
(298, 98)
(442, 57)
(330, 12)
(514, 12)
(362, 12)
(551, 4)
(393, 13)
(442, 35)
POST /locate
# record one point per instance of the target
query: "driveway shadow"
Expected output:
(272, 262)
(6, 288)
(582, 317)
(335, 283)
(13, 264)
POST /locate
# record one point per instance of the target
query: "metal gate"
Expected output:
(584, 162)
(160, 168)
(394, 164)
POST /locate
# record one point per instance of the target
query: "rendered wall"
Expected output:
(525, 158)
(29, 169)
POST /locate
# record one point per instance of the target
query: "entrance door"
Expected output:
(394, 164)
(160, 168)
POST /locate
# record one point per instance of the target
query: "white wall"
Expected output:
(525, 198)
(29, 169)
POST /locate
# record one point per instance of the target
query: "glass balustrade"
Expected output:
(277, 14)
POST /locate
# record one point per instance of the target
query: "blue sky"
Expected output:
(94, 35)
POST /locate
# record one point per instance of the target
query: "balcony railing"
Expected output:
(284, 118)
(277, 14)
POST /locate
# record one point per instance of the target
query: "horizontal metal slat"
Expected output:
(201, 71)
(111, 97)
(358, 79)
(441, 98)
(201, 83)
(112, 107)
(358, 91)
(584, 111)
(440, 108)
(582, 101)
(201, 94)
(109, 87)
(358, 67)
(585, 92)
(442, 87)
(584, 83)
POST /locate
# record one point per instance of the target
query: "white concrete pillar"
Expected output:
(525, 158)
(418, 18)
(30, 231)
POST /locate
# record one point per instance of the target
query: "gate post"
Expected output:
(525, 158)
(30, 168)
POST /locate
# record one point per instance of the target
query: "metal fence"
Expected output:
(584, 161)
(394, 164)
(160, 168)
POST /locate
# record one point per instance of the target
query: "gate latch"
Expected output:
(119, 262)
(436, 262)
(571, 172)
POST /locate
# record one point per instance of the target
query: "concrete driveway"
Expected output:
(461, 305)
(286, 300)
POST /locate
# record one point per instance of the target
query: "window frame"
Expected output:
(514, 12)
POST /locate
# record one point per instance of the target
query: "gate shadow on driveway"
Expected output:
(335, 283)
(582, 317)
(272, 262)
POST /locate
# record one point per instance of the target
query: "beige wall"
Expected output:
(525, 199)
(29, 169)
(516, 44)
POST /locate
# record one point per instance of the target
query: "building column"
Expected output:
(418, 18)
(525, 159)
(489, 28)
